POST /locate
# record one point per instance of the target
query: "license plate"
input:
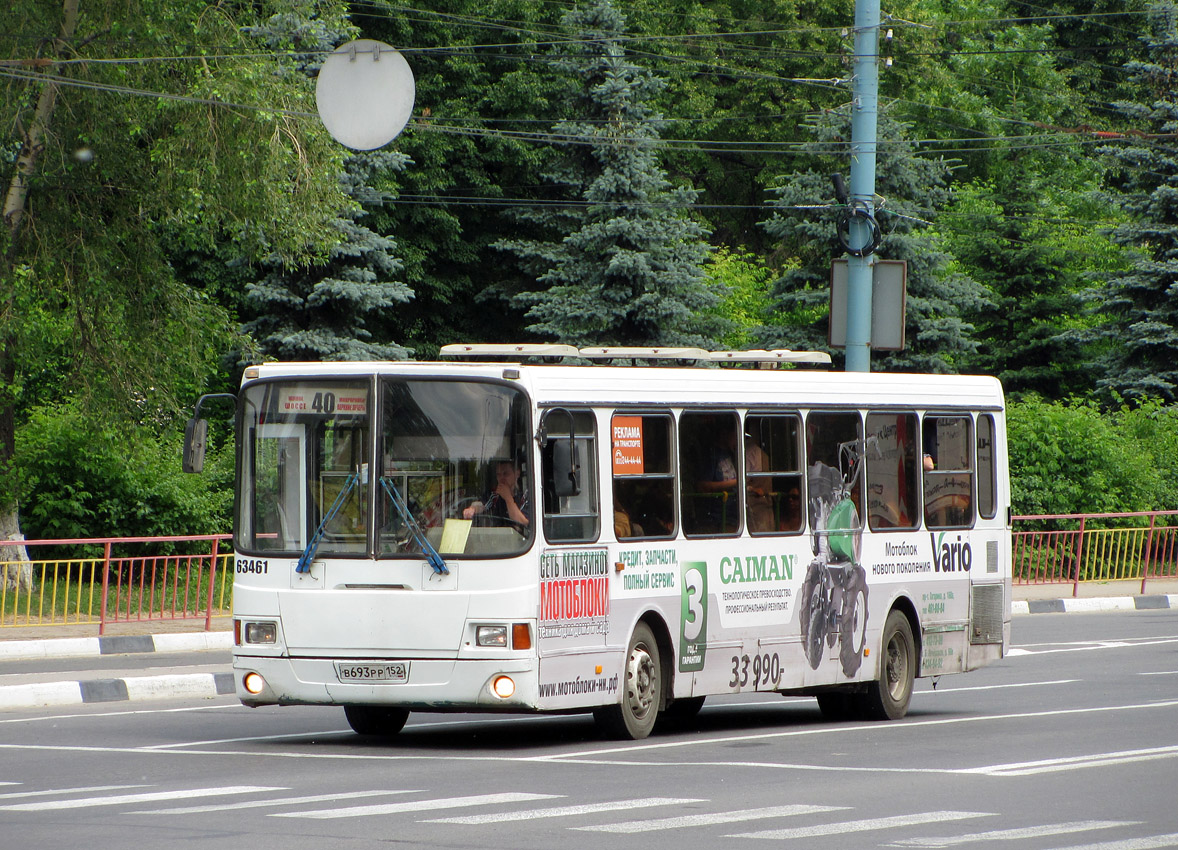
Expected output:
(396, 673)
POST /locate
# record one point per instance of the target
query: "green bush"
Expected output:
(83, 477)
(1070, 457)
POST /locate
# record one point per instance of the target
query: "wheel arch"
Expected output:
(662, 636)
(905, 606)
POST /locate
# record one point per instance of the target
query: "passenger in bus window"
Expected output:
(624, 525)
(791, 509)
(759, 487)
(717, 481)
(507, 501)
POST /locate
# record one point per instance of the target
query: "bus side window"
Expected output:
(643, 476)
(575, 516)
(987, 468)
(773, 474)
(892, 462)
(709, 469)
(948, 471)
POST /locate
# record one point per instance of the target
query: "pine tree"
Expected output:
(911, 188)
(321, 311)
(1142, 337)
(625, 267)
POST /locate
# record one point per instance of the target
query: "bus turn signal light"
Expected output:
(521, 636)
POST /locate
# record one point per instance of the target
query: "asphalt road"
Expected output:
(1072, 742)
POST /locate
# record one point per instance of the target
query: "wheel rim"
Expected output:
(641, 682)
(897, 667)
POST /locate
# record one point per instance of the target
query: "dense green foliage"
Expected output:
(1070, 457)
(667, 178)
(84, 478)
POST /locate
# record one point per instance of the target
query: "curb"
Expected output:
(24, 650)
(193, 685)
(1087, 605)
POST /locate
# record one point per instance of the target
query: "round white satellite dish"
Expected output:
(365, 94)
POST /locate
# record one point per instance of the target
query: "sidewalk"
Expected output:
(88, 684)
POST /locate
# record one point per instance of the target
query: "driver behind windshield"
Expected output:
(509, 500)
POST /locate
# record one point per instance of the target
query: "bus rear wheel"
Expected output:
(378, 721)
(888, 697)
(642, 690)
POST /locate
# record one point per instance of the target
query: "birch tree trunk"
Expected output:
(15, 568)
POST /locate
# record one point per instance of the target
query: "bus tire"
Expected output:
(889, 695)
(378, 721)
(641, 695)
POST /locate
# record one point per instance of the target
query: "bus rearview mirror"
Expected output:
(195, 441)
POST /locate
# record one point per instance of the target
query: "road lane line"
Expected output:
(1043, 831)
(567, 811)
(152, 796)
(1056, 765)
(843, 729)
(218, 741)
(418, 806)
(655, 824)
(278, 801)
(54, 791)
(866, 825)
(1152, 842)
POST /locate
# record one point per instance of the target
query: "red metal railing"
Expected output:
(1074, 548)
(133, 579)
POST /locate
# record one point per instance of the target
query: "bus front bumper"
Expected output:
(433, 684)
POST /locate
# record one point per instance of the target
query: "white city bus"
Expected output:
(519, 536)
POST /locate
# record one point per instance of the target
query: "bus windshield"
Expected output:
(384, 470)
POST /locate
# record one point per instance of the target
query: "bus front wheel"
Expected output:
(378, 721)
(888, 697)
(642, 690)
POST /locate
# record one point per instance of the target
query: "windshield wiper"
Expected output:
(304, 565)
(431, 554)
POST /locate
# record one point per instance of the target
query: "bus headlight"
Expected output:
(253, 683)
(261, 633)
(491, 636)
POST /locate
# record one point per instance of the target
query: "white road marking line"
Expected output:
(709, 819)
(330, 733)
(88, 715)
(1013, 834)
(842, 729)
(866, 825)
(276, 801)
(418, 806)
(53, 791)
(1057, 765)
(1088, 646)
(952, 690)
(567, 811)
(1152, 842)
(119, 799)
